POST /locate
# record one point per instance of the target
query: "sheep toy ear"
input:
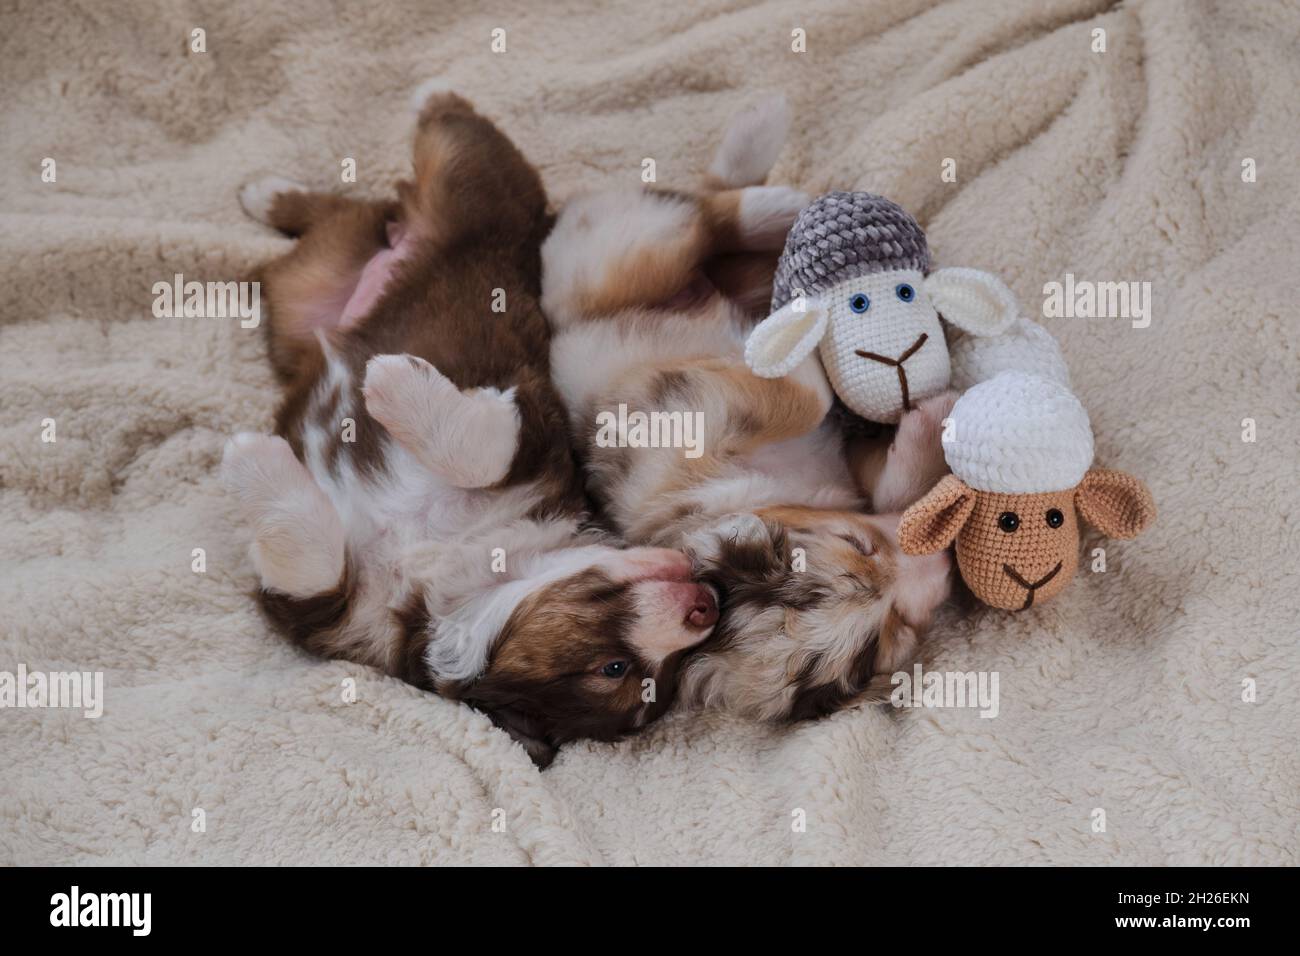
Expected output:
(786, 337)
(1116, 504)
(932, 523)
(976, 302)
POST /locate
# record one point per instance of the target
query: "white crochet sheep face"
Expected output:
(884, 349)
(879, 335)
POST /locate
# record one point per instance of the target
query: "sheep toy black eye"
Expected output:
(905, 292)
(1008, 521)
(859, 303)
(1054, 518)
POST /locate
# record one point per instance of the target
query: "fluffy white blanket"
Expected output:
(1167, 159)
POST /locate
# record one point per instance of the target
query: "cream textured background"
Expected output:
(1123, 694)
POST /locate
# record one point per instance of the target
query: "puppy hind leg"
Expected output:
(470, 179)
(468, 438)
(307, 289)
(621, 249)
(289, 206)
(298, 542)
(754, 219)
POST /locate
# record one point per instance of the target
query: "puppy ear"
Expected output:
(526, 730)
(786, 337)
(974, 301)
(932, 523)
(1116, 504)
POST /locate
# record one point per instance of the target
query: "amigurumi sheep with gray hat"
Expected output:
(854, 282)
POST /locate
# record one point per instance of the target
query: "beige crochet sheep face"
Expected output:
(1015, 550)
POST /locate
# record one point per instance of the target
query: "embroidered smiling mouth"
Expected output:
(898, 365)
(1031, 588)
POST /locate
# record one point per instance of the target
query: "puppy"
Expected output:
(648, 293)
(419, 509)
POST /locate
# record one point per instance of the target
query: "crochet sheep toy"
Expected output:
(1025, 346)
(1022, 478)
(854, 282)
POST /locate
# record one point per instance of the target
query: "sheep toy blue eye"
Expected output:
(859, 303)
(905, 292)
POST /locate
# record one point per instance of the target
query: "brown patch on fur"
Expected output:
(312, 623)
(744, 278)
(307, 288)
(708, 256)
(646, 275)
(720, 212)
(767, 605)
(541, 679)
(414, 621)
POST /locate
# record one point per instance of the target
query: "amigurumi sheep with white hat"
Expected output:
(854, 282)
(1021, 452)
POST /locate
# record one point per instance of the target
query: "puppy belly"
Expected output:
(374, 278)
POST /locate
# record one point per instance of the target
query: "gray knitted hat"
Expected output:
(843, 235)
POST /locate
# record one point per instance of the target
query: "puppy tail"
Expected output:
(750, 144)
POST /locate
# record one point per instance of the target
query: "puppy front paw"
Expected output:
(920, 430)
(915, 461)
(397, 388)
(468, 437)
(257, 197)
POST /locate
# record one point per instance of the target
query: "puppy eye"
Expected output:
(859, 303)
(1008, 521)
(614, 669)
(1054, 518)
(905, 292)
(863, 549)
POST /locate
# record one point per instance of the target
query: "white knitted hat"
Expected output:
(1019, 434)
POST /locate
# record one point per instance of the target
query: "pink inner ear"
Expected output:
(375, 276)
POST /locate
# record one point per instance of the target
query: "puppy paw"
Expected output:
(258, 196)
(297, 536)
(426, 89)
(915, 462)
(434, 97)
(254, 467)
(920, 431)
(469, 438)
(397, 387)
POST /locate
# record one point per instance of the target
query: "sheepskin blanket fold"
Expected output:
(1147, 716)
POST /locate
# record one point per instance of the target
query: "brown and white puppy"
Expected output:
(419, 509)
(648, 293)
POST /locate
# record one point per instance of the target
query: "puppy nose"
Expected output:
(704, 611)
